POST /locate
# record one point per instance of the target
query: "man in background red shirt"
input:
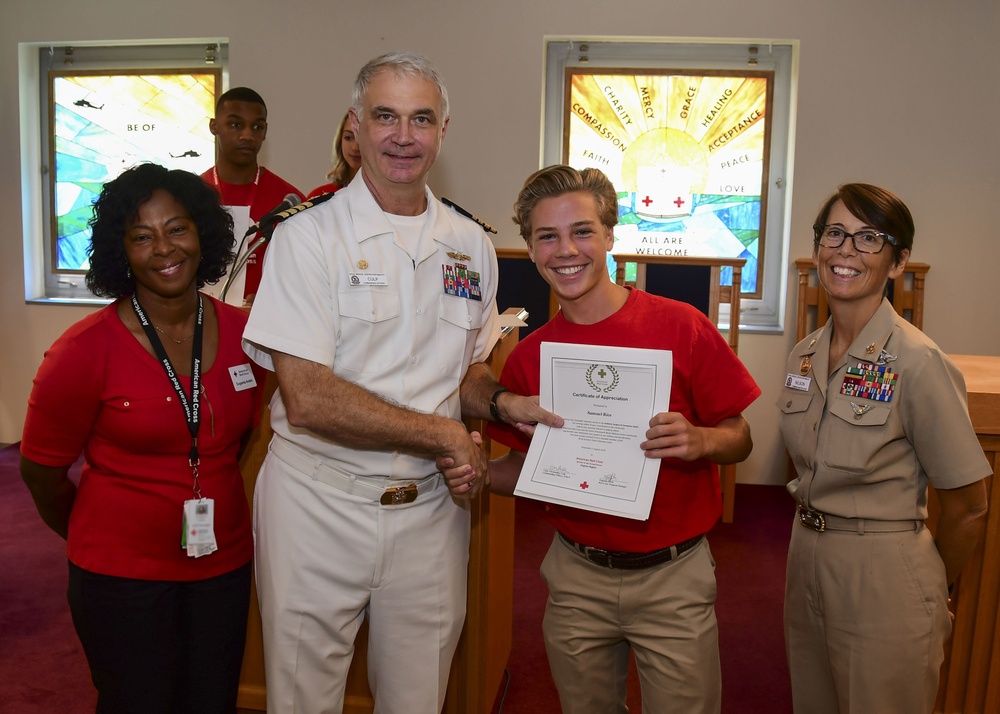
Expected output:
(245, 187)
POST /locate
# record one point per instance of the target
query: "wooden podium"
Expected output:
(485, 644)
(970, 674)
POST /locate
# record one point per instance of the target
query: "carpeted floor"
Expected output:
(42, 666)
(43, 669)
(750, 569)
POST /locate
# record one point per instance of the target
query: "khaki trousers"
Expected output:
(664, 614)
(866, 619)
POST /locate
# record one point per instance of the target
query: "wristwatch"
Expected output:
(494, 412)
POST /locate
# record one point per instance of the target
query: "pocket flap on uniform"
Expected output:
(368, 305)
(794, 402)
(460, 312)
(861, 412)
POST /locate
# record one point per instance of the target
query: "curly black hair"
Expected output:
(118, 206)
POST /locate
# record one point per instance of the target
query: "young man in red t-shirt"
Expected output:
(240, 128)
(615, 583)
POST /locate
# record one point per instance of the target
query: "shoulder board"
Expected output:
(451, 204)
(315, 201)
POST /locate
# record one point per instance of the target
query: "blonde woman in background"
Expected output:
(346, 160)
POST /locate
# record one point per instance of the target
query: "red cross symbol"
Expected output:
(584, 485)
(647, 200)
(679, 201)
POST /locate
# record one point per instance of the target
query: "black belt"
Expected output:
(631, 561)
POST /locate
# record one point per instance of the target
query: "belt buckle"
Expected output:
(598, 556)
(813, 520)
(398, 495)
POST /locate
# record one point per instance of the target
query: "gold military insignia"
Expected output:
(805, 365)
(455, 255)
(362, 264)
(870, 349)
(860, 409)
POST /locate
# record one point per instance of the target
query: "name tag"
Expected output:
(368, 279)
(242, 377)
(794, 381)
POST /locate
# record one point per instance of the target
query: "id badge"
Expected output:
(198, 528)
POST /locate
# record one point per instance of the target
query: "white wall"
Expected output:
(900, 93)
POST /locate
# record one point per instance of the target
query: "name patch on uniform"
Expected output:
(461, 282)
(242, 377)
(794, 381)
(870, 381)
(367, 278)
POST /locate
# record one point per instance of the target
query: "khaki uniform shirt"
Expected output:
(871, 453)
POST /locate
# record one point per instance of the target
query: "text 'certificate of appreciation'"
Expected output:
(606, 395)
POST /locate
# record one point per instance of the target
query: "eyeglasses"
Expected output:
(866, 241)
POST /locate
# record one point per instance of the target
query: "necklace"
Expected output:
(176, 342)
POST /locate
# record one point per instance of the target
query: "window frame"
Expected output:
(39, 62)
(762, 314)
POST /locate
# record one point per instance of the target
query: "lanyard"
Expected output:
(250, 199)
(190, 405)
(253, 191)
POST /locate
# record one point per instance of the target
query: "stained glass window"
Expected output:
(103, 122)
(697, 136)
(686, 151)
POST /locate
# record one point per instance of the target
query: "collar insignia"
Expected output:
(884, 358)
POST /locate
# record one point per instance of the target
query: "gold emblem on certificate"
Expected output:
(602, 378)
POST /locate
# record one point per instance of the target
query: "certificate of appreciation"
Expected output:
(606, 395)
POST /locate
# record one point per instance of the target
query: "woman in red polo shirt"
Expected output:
(156, 393)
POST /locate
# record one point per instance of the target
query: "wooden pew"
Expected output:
(812, 312)
(970, 674)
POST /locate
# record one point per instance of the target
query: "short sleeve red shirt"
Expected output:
(98, 391)
(324, 189)
(269, 191)
(709, 384)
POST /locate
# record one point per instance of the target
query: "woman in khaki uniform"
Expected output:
(873, 411)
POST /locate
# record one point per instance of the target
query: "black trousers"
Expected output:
(162, 647)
